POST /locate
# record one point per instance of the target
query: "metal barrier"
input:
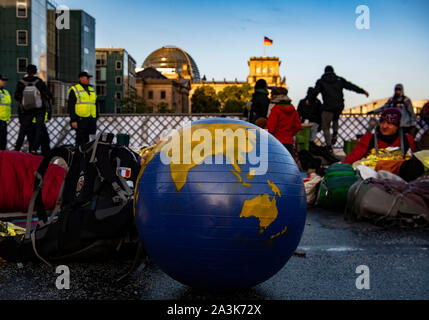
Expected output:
(146, 129)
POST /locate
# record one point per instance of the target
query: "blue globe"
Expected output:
(226, 225)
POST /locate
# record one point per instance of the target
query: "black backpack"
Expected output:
(308, 161)
(95, 204)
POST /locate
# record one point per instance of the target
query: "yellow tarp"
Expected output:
(423, 156)
(8, 229)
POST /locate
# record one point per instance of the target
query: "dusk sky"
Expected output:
(222, 35)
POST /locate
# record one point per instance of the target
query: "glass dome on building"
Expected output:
(170, 60)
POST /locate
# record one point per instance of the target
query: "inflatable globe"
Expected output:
(220, 205)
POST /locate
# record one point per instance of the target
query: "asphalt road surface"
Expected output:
(398, 262)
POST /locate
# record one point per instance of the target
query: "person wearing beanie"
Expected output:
(260, 101)
(331, 87)
(27, 111)
(403, 103)
(373, 147)
(283, 122)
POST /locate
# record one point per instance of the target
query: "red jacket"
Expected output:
(284, 123)
(17, 181)
(361, 149)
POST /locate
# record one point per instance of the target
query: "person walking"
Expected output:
(331, 87)
(5, 111)
(399, 100)
(34, 98)
(83, 109)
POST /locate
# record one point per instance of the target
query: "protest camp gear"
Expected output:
(95, 204)
(388, 202)
(334, 186)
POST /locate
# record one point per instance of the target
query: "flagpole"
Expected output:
(265, 50)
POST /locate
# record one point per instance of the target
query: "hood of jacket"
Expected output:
(400, 87)
(285, 109)
(330, 77)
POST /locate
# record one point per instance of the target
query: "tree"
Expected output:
(233, 106)
(163, 108)
(234, 98)
(133, 104)
(205, 100)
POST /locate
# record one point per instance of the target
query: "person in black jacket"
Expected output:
(85, 125)
(331, 87)
(26, 116)
(260, 101)
(311, 112)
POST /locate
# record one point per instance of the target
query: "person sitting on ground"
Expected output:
(399, 100)
(311, 111)
(283, 122)
(386, 148)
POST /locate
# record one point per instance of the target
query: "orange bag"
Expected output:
(392, 166)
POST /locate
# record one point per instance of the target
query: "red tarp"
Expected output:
(17, 181)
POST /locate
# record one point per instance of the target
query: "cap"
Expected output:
(84, 74)
(3, 78)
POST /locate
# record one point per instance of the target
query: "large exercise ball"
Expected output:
(220, 205)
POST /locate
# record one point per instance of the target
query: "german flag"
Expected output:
(268, 41)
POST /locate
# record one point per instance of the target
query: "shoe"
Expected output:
(329, 155)
(334, 139)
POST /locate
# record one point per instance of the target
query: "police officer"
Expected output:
(83, 110)
(5, 102)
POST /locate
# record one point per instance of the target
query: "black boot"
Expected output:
(329, 155)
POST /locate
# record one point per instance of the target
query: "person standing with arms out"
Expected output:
(399, 100)
(331, 87)
(83, 109)
(5, 103)
(33, 96)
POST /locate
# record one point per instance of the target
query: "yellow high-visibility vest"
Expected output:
(46, 118)
(86, 103)
(5, 102)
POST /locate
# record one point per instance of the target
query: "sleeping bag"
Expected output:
(17, 181)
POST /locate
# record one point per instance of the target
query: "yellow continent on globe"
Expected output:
(184, 158)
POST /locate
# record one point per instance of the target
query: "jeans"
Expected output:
(327, 118)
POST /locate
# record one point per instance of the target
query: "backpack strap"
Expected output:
(30, 83)
(376, 142)
(66, 153)
(405, 144)
(100, 149)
